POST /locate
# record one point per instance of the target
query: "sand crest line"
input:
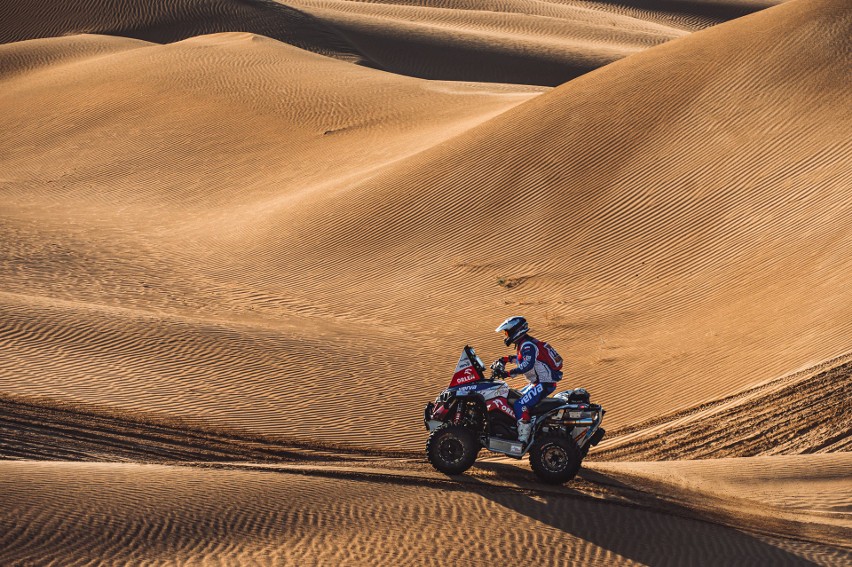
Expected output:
(786, 403)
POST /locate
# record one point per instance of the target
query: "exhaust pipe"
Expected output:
(587, 421)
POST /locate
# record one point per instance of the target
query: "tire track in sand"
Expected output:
(39, 429)
(80, 513)
(806, 412)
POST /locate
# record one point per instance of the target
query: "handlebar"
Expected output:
(498, 369)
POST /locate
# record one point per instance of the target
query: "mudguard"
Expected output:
(593, 424)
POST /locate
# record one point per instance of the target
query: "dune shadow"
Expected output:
(169, 22)
(657, 532)
(719, 11)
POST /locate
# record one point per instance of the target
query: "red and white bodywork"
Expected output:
(465, 372)
(495, 395)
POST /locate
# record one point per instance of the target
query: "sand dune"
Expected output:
(773, 482)
(95, 511)
(243, 242)
(541, 43)
(754, 422)
(686, 14)
(356, 228)
(803, 497)
(298, 137)
(43, 429)
(518, 42)
(662, 267)
(807, 412)
(165, 22)
(250, 499)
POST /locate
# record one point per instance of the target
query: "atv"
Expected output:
(475, 412)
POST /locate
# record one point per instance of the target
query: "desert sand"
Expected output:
(243, 243)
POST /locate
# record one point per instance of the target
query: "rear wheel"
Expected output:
(555, 459)
(452, 449)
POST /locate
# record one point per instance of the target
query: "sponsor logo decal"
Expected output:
(464, 362)
(466, 375)
(500, 404)
(465, 371)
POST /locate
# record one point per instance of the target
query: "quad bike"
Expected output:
(475, 412)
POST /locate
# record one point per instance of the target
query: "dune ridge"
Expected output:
(804, 413)
(540, 43)
(518, 42)
(166, 22)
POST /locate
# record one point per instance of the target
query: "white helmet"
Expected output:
(513, 328)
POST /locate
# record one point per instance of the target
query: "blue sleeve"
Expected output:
(526, 361)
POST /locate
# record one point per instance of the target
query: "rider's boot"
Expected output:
(524, 430)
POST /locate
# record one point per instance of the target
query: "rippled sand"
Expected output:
(259, 234)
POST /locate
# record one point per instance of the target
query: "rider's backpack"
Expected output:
(549, 356)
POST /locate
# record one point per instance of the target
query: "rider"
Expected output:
(537, 361)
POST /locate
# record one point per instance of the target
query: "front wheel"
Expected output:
(452, 449)
(555, 459)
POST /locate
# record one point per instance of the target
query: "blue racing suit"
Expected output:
(540, 364)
